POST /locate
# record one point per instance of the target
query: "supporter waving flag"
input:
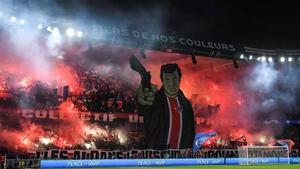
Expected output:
(200, 138)
(286, 142)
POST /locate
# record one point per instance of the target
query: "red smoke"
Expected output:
(210, 82)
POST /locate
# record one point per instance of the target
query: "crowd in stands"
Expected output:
(100, 93)
(107, 93)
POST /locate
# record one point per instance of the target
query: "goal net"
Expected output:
(263, 155)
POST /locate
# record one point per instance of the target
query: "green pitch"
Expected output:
(292, 166)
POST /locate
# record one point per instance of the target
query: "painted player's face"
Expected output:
(171, 83)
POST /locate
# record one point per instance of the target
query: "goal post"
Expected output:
(263, 155)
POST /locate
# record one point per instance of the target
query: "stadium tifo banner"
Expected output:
(124, 36)
(144, 154)
(86, 116)
(98, 116)
(158, 103)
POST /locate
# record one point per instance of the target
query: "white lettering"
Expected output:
(136, 34)
(93, 163)
(144, 162)
(75, 164)
(112, 117)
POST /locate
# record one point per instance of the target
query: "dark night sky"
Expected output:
(261, 24)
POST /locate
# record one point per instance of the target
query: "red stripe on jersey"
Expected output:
(176, 125)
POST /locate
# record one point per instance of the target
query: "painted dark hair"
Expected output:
(169, 68)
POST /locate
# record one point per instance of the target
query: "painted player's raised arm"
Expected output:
(145, 96)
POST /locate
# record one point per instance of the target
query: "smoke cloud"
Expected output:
(247, 96)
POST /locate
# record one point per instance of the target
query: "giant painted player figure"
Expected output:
(168, 114)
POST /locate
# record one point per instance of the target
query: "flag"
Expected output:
(200, 138)
(286, 142)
